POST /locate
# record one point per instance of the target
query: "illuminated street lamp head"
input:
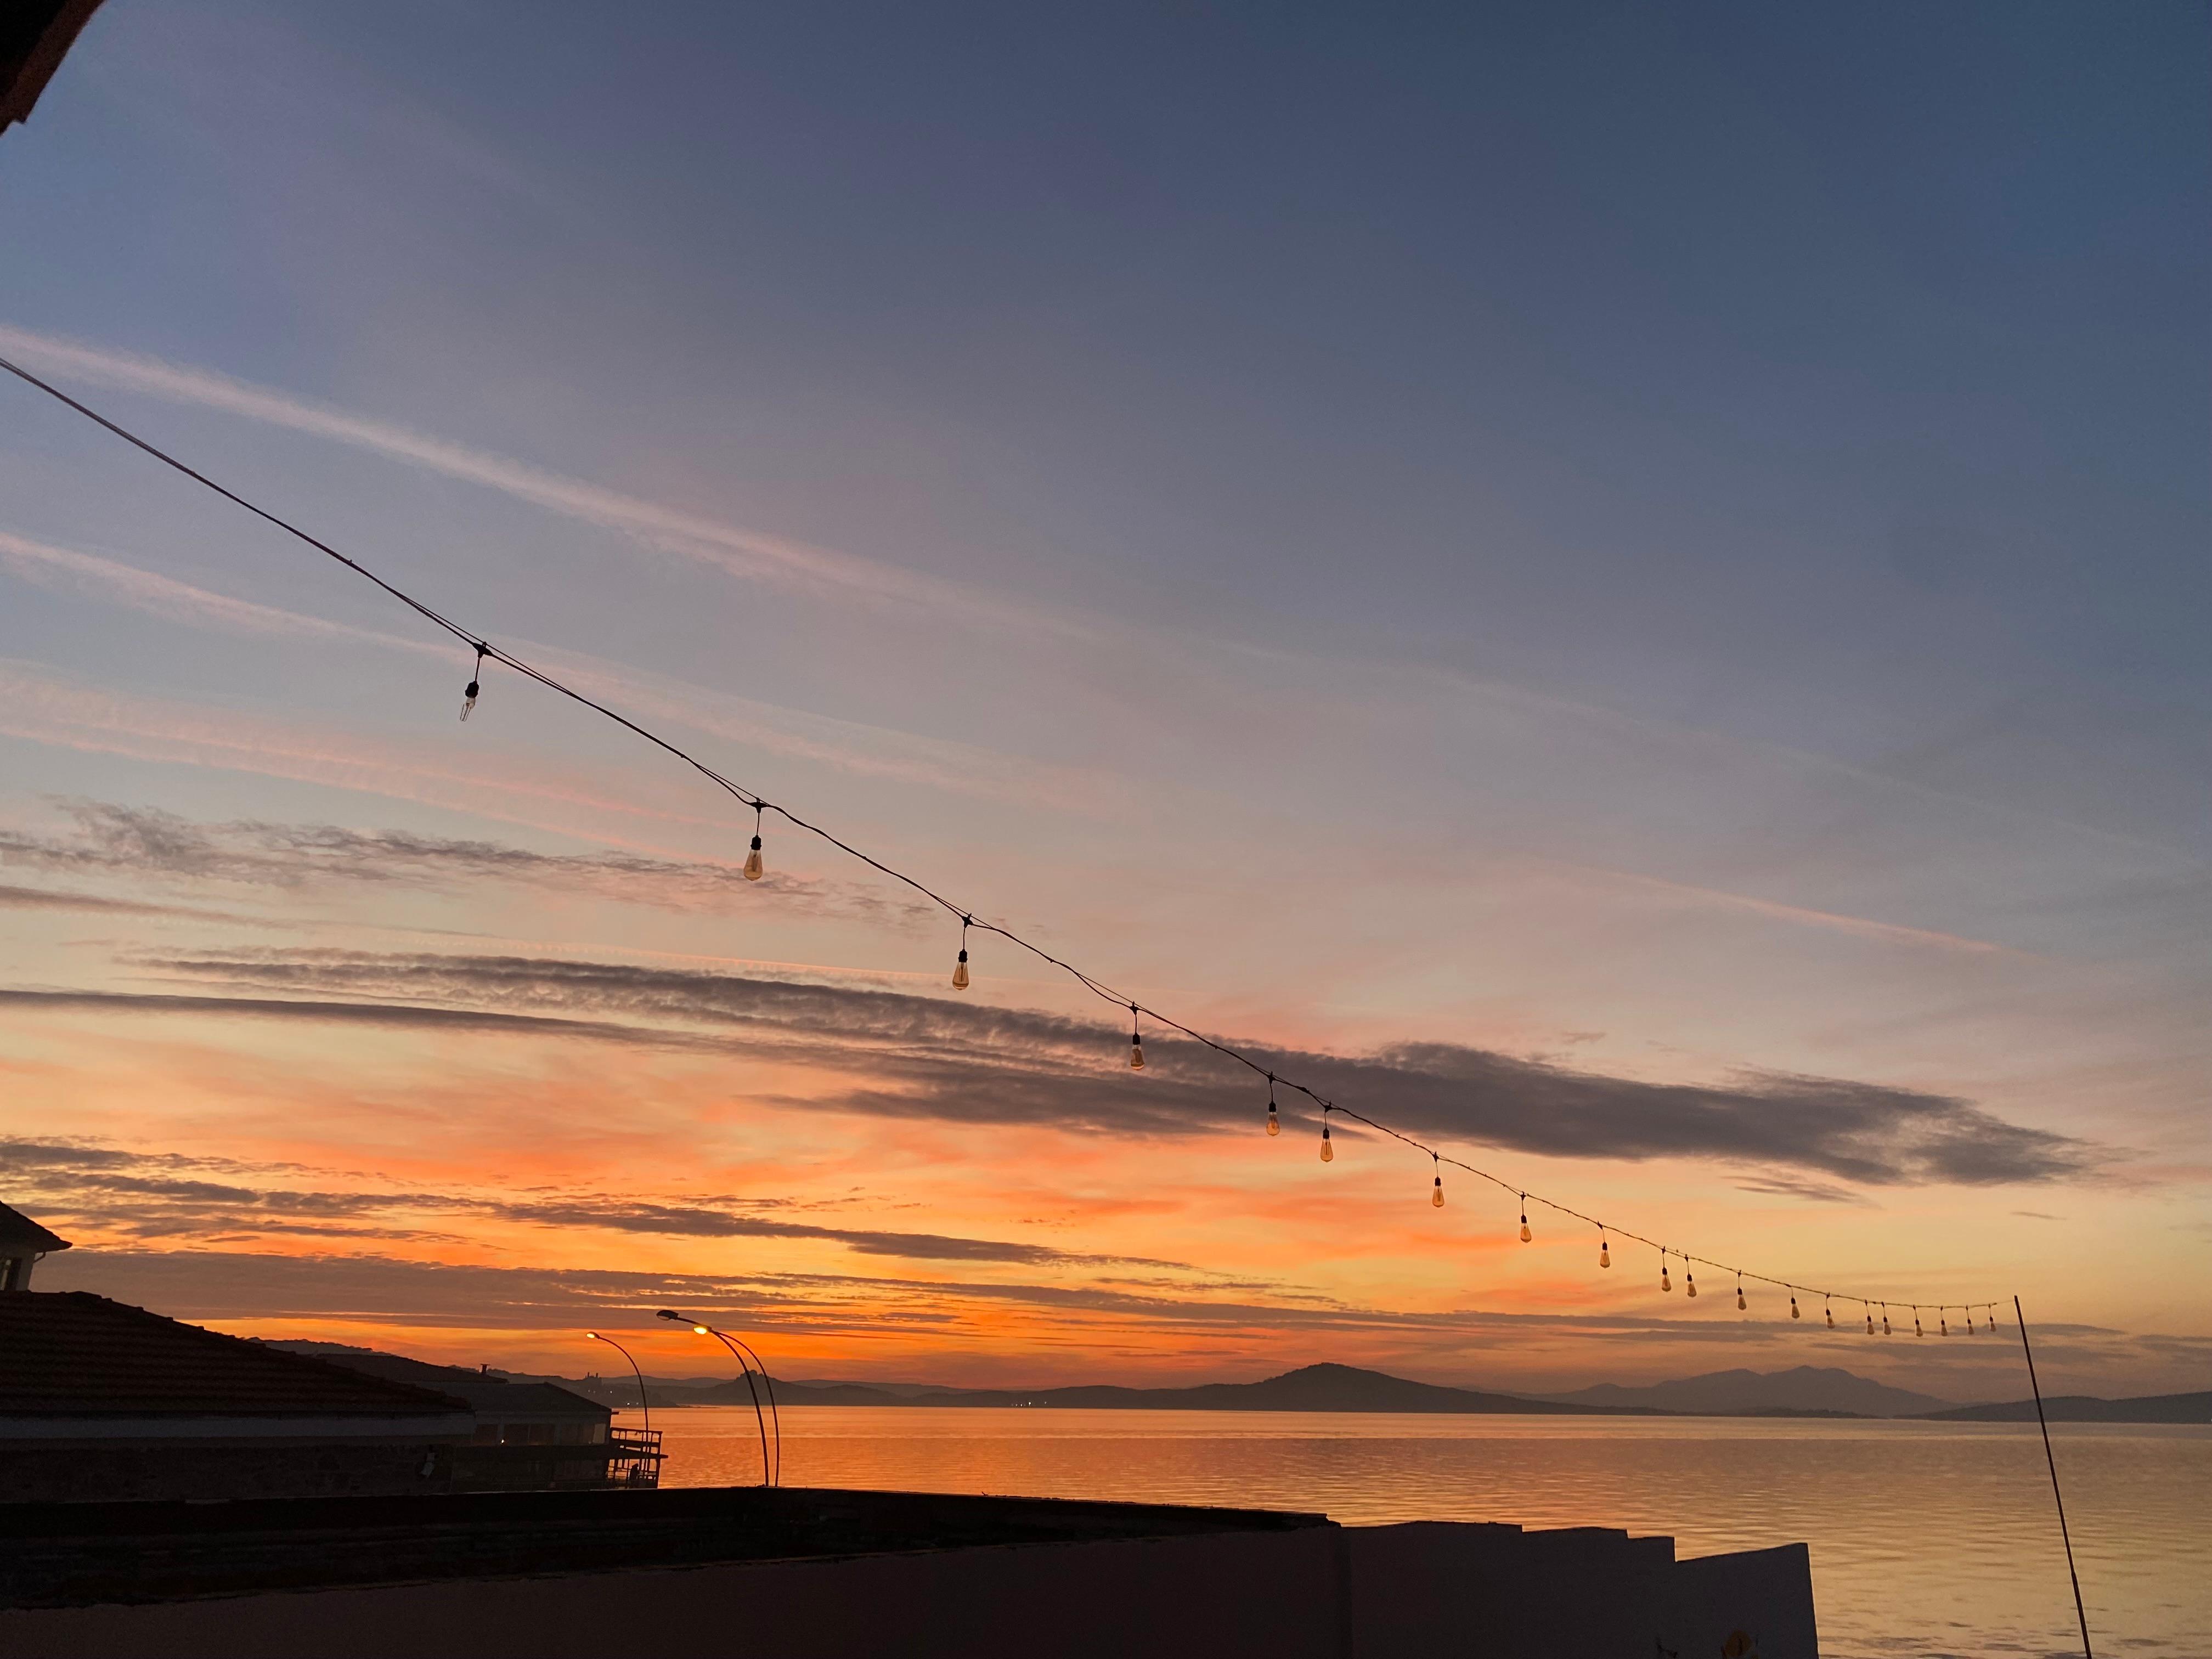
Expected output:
(700, 1330)
(595, 1336)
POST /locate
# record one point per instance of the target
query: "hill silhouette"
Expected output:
(1802, 1389)
(2088, 1408)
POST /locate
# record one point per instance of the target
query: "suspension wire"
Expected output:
(759, 804)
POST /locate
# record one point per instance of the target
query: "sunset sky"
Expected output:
(1625, 589)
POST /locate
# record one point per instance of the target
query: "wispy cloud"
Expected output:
(108, 840)
(166, 1196)
(748, 552)
(44, 706)
(932, 1058)
(848, 745)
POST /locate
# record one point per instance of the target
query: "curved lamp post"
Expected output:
(643, 1404)
(748, 1362)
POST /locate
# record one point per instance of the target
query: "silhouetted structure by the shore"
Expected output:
(811, 1574)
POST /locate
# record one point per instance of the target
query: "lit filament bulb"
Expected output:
(1741, 1304)
(1885, 1319)
(1794, 1314)
(1830, 1312)
(1869, 1312)
(1274, 1123)
(1136, 1042)
(1436, 1192)
(754, 868)
(1525, 1234)
(960, 967)
(1689, 1281)
(1604, 1255)
(1665, 1283)
(475, 685)
(1327, 1151)
(1917, 1331)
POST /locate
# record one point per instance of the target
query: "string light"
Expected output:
(1869, 1314)
(754, 868)
(1274, 1123)
(1525, 1234)
(1689, 1279)
(1794, 1314)
(1917, 1331)
(1830, 1311)
(475, 685)
(1665, 1284)
(1943, 1325)
(1741, 1304)
(960, 967)
(1327, 1151)
(1437, 1193)
(1885, 1319)
(1604, 1255)
(1136, 1042)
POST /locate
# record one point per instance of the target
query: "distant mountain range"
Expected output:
(2088, 1409)
(1803, 1391)
(1738, 1393)
(1309, 1389)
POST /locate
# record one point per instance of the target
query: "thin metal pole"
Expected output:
(2056, 1496)
(643, 1404)
(768, 1475)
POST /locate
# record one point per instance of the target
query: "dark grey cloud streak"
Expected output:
(168, 1196)
(145, 844)
(963, 1062)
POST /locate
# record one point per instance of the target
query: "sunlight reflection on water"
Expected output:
(1927, 1538)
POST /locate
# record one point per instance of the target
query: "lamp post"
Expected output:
(748, 1362)
(643, 1404)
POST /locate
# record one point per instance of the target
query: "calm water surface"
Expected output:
(1927, 1539)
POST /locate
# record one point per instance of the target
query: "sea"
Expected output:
(1927, 1539)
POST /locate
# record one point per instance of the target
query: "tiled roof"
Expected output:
(72, 1354)
(19, 1230)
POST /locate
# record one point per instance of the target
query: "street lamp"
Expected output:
(643, 1404)
(771, 1472)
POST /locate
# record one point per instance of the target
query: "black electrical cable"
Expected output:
(484, 648)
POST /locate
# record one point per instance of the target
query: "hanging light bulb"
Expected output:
(1917, 1331)
(1604, 1255)
(1943, 1324)
(1869, 1314)
(1794, 1314)
(960, 967)
(476, 684)
(1885, 1319)
(1525, 1234)
(1136, 1042)
(1274, 1123)
(1741, 1304)
(1665, 1284)
(1689, 1279)
(1436, 1192)
(1327, 1151)
(1830, 1311)
(754, 868)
